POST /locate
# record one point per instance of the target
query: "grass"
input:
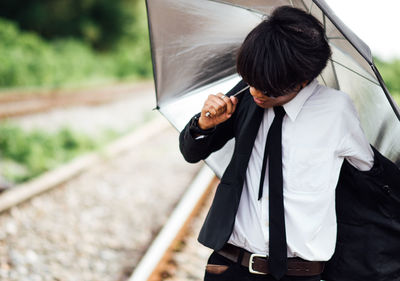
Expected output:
(25, 155)
(28, 60)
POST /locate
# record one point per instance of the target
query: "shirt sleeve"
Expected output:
(354, 145)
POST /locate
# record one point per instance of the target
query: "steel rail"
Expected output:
(154, 261)
(66, 172)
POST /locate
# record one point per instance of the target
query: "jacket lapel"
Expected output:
(248, 129)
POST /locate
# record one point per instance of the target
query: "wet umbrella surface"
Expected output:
(194, 45)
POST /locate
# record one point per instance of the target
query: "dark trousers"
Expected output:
(238, 272)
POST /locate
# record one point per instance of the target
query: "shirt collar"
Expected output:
(293, 107)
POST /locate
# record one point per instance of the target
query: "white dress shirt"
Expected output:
(320, 129)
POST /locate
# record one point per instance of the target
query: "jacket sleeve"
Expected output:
(194, 150)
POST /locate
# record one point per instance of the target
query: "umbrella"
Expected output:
(194, 44)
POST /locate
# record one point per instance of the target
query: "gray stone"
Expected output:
(97, 225)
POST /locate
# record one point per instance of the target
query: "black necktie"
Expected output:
(277, 260)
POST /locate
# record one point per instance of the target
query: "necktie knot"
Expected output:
(279, 112)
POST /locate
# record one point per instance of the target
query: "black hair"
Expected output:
(283, 51)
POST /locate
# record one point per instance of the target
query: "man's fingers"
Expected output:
(211, 109)
(228, 102)
(217, 103)
(234, 100)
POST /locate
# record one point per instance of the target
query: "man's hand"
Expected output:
(220, 108)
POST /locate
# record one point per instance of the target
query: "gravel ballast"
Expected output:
(98, 225)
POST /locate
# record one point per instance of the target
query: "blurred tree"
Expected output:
(26, 59)
(390, 71)
(101, 23)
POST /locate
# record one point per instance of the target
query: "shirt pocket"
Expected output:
(309, 170)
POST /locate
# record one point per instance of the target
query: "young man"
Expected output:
(273, 216)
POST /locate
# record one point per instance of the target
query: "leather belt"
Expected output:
(258, 264)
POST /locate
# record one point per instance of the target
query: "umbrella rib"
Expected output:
(359, 74)
(348, 38)
(336, 38)
(335, 75)
(239, 6)
(304, 4)
(323, 80)
(312, 5)
(332, 65)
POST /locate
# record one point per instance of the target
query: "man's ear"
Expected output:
(302, 85)
(305, 83)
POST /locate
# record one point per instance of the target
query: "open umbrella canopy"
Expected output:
(194, 46)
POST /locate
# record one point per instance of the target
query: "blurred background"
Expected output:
(75, 77)
(76, 100)
(66, 42)
(50, 48)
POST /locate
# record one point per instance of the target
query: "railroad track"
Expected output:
(22, 206)
(13, 104)
(178, 228)
(80, 228)
(175, 253)
(54, 178)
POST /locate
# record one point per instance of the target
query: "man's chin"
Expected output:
(264, 104)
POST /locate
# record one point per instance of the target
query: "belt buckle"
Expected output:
(252, 256)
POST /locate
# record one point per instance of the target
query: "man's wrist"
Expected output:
(201, 125)
(195, 129)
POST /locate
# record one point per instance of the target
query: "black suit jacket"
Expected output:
(368, 215)
(368, 206)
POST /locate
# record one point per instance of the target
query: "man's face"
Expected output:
(264, 101)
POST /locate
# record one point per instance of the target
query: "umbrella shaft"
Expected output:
(208, 114)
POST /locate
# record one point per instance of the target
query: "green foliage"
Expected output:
(101, 23)
(28, 60)
(132, 54)
(25, 155)
(390, 72)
